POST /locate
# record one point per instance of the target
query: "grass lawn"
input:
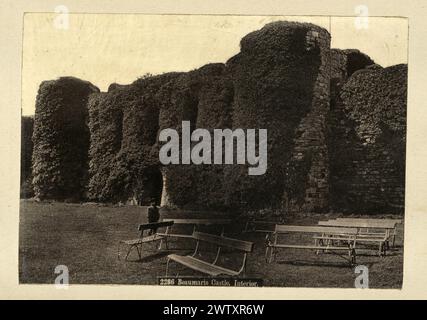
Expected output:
(84, 237)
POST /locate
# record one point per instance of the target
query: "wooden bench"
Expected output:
(196, 223)
(374, 220)
(384, 231)
(364, 233)
(324, 237)
(137, 243)
(394, 222)
(213, 268)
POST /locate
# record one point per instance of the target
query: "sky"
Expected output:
(108, 48)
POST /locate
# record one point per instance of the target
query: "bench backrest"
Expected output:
(396, 221)
(221, 241)
(314, 229)
(200, 221)
(155, 225)
(359, 224)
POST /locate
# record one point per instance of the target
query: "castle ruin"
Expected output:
(336, 126)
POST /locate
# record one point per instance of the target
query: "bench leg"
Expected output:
(382, 249)
(272, 253)
(320, 243)
(353, 256)
(394, 239)
(166, 243)
(329, 242)
(266, 253)
(139, 249)
(127, 253)
(129, 250)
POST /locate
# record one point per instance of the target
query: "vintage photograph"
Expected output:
(213, 150)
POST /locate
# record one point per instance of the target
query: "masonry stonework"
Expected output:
(368, 148)
(335, 120)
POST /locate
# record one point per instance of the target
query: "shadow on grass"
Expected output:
(375, 255)
(342, 265)
(152, 257)
(156, 256)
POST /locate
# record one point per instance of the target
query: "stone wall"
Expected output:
(61, 139)
(308, 169)
(367, 147)
(26, 184)
(196, 186)
(124, 124)
(106, 132)
(345, 62)
(274, 77)
(335, 122)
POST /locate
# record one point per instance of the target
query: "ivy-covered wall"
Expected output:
(61, 139)
(274, 77)
(335, 122)
(26, 184)
(368, 141)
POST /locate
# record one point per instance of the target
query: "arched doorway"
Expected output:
(152, 186)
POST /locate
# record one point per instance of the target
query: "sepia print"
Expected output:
(185, 150)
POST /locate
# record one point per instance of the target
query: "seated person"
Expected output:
(153, 216)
